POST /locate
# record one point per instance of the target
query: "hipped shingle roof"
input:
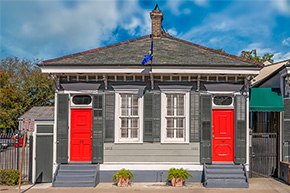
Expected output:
(169, 51)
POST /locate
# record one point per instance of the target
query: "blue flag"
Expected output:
(149, 56)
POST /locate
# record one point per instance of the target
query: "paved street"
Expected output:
(257, 185)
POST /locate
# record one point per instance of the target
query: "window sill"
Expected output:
(128, 142)
(174, 142)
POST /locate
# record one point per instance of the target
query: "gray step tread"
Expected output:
(226, 180)
(213, 171)
(74, 178)
(73, 172)
(78, 168)
(224, 167)
(226, 176)
(74, 184)
(227, 185)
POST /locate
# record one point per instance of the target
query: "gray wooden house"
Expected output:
(188, 108)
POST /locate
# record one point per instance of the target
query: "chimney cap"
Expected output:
(156, 6)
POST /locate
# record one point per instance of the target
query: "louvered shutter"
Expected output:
(97, 131)
(109, 118)
(286, 130)
(62, 129)
(240, 129)
(152, 114)
(206, 128)
(194, 116)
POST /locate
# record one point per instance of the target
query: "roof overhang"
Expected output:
(146, 69)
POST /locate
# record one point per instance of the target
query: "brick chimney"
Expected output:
(157, 17)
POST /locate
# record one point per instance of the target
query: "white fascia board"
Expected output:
(146, 167)
(156, 70)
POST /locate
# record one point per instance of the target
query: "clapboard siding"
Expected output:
(151, 152)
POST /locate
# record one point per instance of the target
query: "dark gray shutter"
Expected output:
(194, 116)
(152, 114)
(97, 132)
(240, 129)
(109, 118)
(286, 131)
(62, 128)
(206, 128)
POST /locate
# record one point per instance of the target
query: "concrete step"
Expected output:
(226, 176)
(78, 167)
(229, 171)
(75, 178)
(74, 172)
(224, 167)
(76, 175)
(227, 185)
(74, 184)
(226, 180)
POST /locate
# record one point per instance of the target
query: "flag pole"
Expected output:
(151, 73)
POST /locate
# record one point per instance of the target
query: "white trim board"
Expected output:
(142, 70)
(151, 166)
(146, 167)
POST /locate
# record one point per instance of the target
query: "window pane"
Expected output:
(124, 122)
(222, 100)
(124, 101)
(179, 122)
(135, 111)
(135, 122)
(135, 100)
(170, 122)
(179, 133)
(82, 99)
(123, 111)
(124, 133)
(134, 133)
(170, 133)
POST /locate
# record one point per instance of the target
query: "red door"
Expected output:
(223, 135)
(81, 143)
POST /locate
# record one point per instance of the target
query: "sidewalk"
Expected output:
(257, 185)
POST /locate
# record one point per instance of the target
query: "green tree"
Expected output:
(252, 55)
(22, 86)
(221, 50)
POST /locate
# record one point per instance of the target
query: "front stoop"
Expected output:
(225, 176)
(76, 175)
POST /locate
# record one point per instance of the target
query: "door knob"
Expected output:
(212, 136)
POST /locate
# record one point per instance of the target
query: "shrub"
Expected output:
(122, 174)
(9, 176)
(3, 128)
(178, 173)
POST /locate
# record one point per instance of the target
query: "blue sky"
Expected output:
(46, 29)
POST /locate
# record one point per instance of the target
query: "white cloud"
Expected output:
(261, 50)
(286, 42)
(283, 6)
(280, 56)
(174, 6)
(172, 32)
(56, 28)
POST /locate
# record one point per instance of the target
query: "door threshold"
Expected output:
(223, 163)
(79, 162)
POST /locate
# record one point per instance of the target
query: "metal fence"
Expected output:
(11, 146)
(264, 155)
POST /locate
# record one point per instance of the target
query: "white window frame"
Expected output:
(118, 114)
(164, 139)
